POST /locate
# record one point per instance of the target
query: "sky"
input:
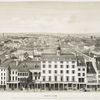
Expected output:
(50, 17)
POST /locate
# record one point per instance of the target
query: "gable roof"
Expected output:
(26, 65)
(22, 66)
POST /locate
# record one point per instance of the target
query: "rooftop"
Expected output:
(54, 57)
(22, 66)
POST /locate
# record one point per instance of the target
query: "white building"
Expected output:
(81, 72)
(60, 71)
(3, 76)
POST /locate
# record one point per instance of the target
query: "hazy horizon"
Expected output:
(50, 17)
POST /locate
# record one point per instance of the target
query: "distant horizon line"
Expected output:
(62, 33)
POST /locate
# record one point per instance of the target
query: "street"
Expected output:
(48, 95)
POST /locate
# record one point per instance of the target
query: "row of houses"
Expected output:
(53, 71)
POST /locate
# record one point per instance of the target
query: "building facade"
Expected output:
(52, 71)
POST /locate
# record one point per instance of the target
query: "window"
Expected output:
(4, 78)
(43, 78)
(43, 66)
(61, 61)
(73, 78)
(67, 78)
(61, 71)
(13, 78)
(67, 66)
(73, 71)
(49, 71)
(49, 78)
(20, 74)
(49, 61)
(81, 79)
(83, 74)
(4, 82)
(73, 61)
(73, 66)
(83, 69)
(35, 78)
(55, 78)
(1, 69)
(1, 82)
(25, 74)
(79, 74)
(1, 74)
(16, 72)
(13, 72)
(4, 69)
(67, 71)
(61, 66)
(16, 78)
(55, 66)
(79, 69)
(43, 71)
(49, 66)
(4, 74)
(55, 71)
(61, 78)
